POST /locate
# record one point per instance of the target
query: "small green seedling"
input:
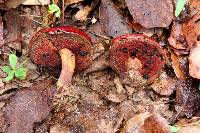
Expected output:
(174, 128)
(53, 8)
(179, 7)
(14, 70)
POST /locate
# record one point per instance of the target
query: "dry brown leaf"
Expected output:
(13, 38)
(111, 21)
(59, 129)
(2, 121)
(185, 35)
(176, 66)
(92, 119)
(12, 3)
(194, 62)
(146, 123)
(83, 13)
(27, 106)
(36, 2)
(1, 32)
(177, 37)
(191, 28)
(69, 2)
(155, 124)
(187, 99)
(99, 64)
(164, 85)
(2, 1)
(151, 13)
(188, 125)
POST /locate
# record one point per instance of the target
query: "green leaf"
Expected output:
(13, 60)
(6, 69)
(58, 14)
(21, 73)
(179, 7)
(174, 129)
(10, 76)
(53, 8)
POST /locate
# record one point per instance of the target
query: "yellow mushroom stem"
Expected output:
(68, 66)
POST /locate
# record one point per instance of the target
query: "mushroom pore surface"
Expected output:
(140, 47)
(45, 45)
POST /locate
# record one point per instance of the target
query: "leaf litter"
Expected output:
(103, 102)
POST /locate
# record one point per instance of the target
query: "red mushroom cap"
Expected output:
(46, 43)
(145, 49)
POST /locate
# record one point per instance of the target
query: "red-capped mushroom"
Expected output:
(64, 45)
(138, 54)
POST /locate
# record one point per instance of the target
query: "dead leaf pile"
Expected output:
(28, 106)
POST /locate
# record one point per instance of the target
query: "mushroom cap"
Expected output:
(139, 47)
(46, 43)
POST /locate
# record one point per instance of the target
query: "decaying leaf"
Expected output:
(1, 32)
(188, 125)
(11, 3)
(194, 62)
(191, 28)
(176, 66)
(13, 38)
(151, 13)
(36, 2)
(155, 123)
(69, 2)
(185, 35)
(146, 123)
(111, 21)
(27, 106)
(83, 13)
(177, 37)
(164, 85)
(187, 99)
(92, 119)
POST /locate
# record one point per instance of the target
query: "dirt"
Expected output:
(99, 99)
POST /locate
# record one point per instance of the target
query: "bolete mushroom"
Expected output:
(138, 54)
(71, 47)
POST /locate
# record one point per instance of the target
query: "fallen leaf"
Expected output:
(151, 13)
(177, 37)
(27, 106)
(2, 122)
(83, 13)
(192, 26)
(92, 119)
(176, 66)
(164, 85)
(2, 1)
(111, 20)
(188, 125)
(187, 99)
(59, 129)
(1, 32)
(36, 2)
(185, 35)
(69, 2)
(194, 61)
(12, 3)
(155, 123)
(146, 123)
(134, 124)
(98, 64)
(13, 38)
